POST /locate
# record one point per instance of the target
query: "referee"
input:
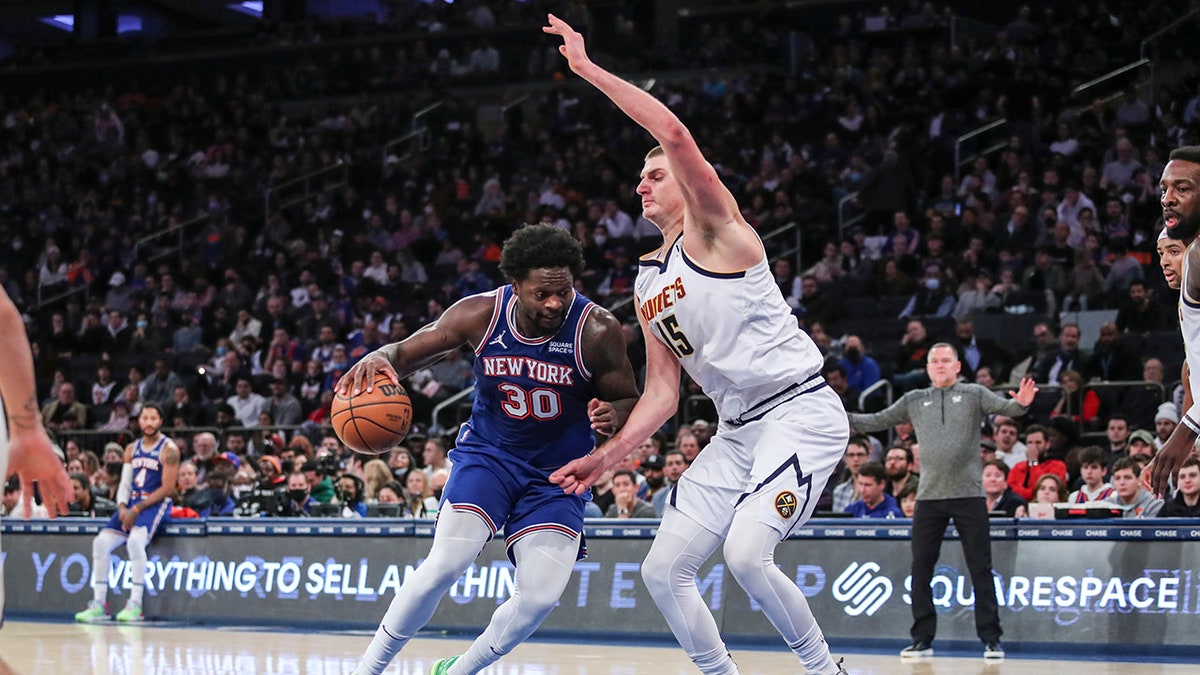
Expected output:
(946, 418)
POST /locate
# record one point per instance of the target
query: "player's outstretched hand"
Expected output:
(32, 457)
(572, 46)
(1024, 395)
(361, 377)
(603, 417)
(1165, 465)
(579, 474)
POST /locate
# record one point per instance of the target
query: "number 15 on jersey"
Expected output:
(668, 328)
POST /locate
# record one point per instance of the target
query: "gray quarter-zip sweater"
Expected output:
(947, 422)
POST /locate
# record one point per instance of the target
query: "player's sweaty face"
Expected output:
(543, 298)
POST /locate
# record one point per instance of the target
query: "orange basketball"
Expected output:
(375, 421)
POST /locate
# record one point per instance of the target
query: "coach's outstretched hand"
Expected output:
(1025, 393)
(361, 377)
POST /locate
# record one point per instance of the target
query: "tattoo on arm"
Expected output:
(27, 416)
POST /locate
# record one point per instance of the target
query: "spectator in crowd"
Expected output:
(626, 503)
(283, 408)
(1009, 448)
(246, 404)
(975, 351)
(1142, 314)
(1141, 445)
(702, 430)
(1093, 468)
(898, 465)
(266, 497)
(874, 501)
(160, 385)
(1112, 360)
(1166, 418)
(221, 503)
(65, 413)
(910, 360)
(351, 496)
(434, 456)
(299, 502)
(1186, 502)
(907, 499)
(1068, 356)
(85, 502)
(1117, 436)
(189, 494)
(181, 411)
(835, 377)
(1026, 475)
(421, 503)
(1049, 489)
(674, 464)
(1000, 497)
(862, 371)
(1135, 501)
(858, 453)
(652, 468)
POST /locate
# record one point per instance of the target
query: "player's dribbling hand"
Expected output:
(579, 474)
(572, 46)
(32, 458)
(603, 417)
(361, 377)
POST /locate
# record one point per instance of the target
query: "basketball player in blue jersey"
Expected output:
(25, 448)
(550, 368)
(708, 303)
(143, 505)
(1180, 198)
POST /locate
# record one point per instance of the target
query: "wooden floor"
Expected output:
(36, 648)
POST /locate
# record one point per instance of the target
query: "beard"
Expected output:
(1186, 228)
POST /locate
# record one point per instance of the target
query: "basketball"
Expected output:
(372, 422)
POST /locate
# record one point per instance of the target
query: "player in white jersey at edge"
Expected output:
(708, 303)
(25, 448)
(1179, 190)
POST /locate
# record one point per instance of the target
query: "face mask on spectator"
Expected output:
(853, 354)
(222, 350)
(143, 324)
(600, 239)
(298, 494)
(931, 284)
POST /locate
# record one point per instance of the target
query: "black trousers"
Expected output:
(928, 530)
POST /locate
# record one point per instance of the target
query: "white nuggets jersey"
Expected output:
(733, 332)
(1189, 325)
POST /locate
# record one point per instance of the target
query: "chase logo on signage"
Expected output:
(785, 504)
(862, 589)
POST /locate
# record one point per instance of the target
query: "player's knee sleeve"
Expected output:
(139, 538)
(745, 559)
(104, 543)
(545, 562)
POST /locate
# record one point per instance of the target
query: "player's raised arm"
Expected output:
(710, 203)
(464, 323)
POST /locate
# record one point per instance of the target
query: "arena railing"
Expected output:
(978, 133)
(285, 194)
(179, 230)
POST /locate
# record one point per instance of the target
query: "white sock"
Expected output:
(545, 561)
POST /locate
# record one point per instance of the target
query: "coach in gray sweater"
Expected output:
(946, 418)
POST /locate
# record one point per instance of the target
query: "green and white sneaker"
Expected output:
(131, 613)
(96, 612)
(442, 667)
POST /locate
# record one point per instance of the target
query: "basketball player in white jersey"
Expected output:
(25, 449)
(708, 303)
(1180, 197)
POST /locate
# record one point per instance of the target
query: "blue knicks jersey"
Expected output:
(147, 470)
(531, 395)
